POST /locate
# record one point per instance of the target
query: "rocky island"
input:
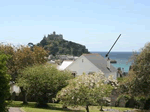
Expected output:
(113, 61)
(56, 45)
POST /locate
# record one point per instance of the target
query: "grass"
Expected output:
(30, 107)
(54, 107)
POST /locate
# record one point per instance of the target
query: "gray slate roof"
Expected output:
(100, 62)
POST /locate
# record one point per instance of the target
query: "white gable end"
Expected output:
(81, 65)
(64, 65)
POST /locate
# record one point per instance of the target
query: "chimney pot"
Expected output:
(108, 63)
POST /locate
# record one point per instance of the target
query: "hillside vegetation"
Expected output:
(57, 45)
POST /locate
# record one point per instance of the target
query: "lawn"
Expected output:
(54, 107)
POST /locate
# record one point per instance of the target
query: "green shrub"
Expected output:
(43, 82)
(4, 83)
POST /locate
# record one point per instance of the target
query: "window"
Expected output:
(82, 60)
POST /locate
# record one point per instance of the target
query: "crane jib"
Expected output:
(113, 45)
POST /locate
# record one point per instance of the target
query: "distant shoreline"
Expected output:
(111, 51)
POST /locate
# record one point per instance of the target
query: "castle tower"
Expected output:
(54, 33)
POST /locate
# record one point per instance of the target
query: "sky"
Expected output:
(93, 23)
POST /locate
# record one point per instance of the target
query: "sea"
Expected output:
(122, 59)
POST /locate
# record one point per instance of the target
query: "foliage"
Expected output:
(4, 83)
(57, 45)
(86, 90)
(120, 79)
(137, 83)
(43, 81)
(22, 57)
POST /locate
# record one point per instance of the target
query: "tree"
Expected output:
(22, 57)
(4, 83)
(85, 90)
(31, 45)
(137, 83)
(44, 41)
(43, 81)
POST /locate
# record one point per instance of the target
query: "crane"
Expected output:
(112, 46)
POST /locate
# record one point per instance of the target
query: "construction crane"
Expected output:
(112, 46)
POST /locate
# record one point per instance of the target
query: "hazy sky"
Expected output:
(93, 23)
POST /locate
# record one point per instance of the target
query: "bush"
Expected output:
(43, 82)
(86, 90)
(4, 83)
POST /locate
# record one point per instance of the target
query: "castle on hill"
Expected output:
(55, 36)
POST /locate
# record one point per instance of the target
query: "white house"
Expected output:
(64, 64)
(90, 63)
(14, 88)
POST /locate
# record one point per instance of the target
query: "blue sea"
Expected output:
(121, 58)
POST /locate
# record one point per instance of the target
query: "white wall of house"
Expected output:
(14, 88)
(82, 65)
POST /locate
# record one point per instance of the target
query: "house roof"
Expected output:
(64, 64)
(100, 62)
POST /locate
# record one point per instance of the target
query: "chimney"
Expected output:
(122, 70)
(108, 63)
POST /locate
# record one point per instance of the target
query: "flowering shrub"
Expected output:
(86, 90)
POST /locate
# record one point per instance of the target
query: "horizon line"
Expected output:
(114, 51)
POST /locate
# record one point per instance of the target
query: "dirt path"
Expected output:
(14, 109)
